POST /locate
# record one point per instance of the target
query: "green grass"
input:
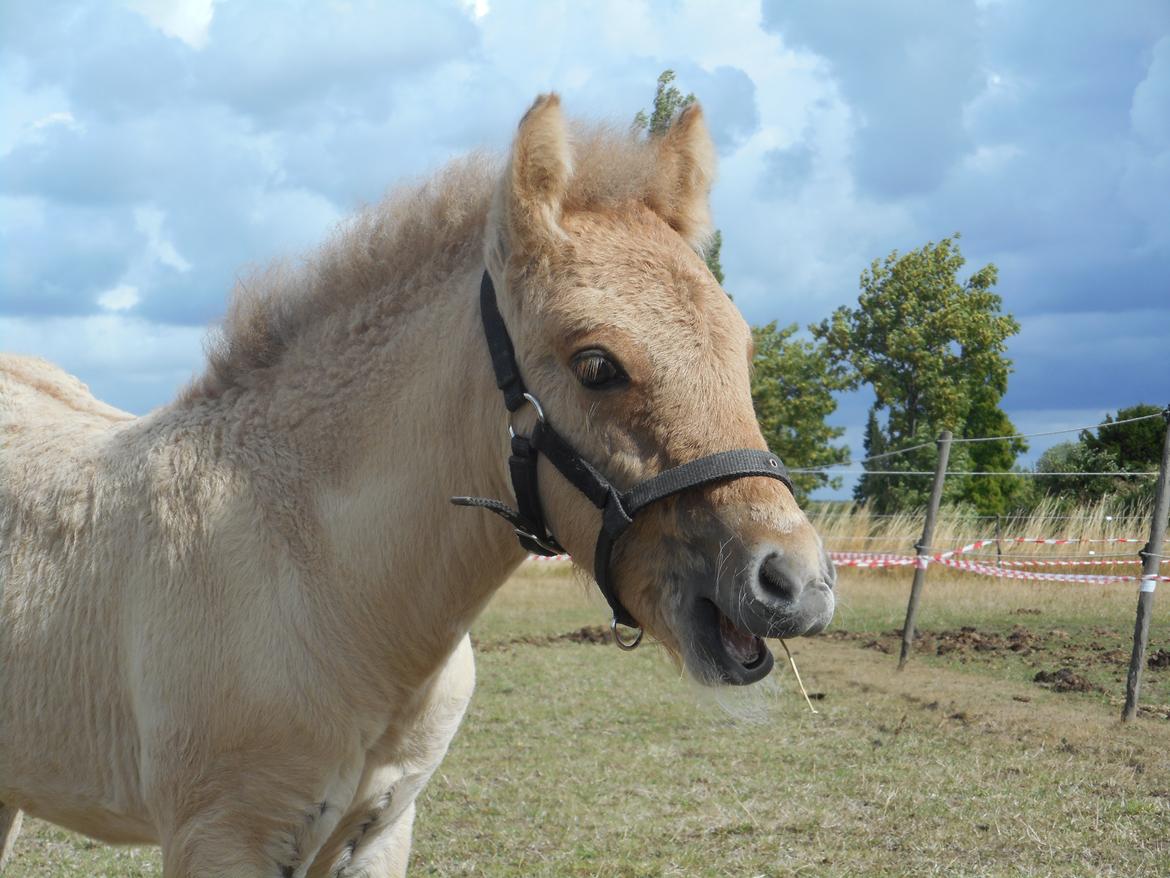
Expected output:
(581, 760)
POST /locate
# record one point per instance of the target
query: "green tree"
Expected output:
(793, 382)
(1136, 446)
(874, 445)
(932, 347)
(1077, 457)
(997, 494)
(668, 103)
(1114, 447)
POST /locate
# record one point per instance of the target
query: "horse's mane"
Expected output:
(419, 229)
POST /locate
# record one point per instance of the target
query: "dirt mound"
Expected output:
(588, 634)
(968, 639)
(1160, 659)
(1064, 680)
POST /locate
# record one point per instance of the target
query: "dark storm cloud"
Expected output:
(36, 277)
(907, 69)
(786, 170)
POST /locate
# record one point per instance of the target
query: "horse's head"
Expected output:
(642, 363)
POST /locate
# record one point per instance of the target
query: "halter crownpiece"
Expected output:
(617, 508)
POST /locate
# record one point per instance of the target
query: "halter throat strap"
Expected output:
(618, 508)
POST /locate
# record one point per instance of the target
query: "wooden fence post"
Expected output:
(998, 542)
(1152, 556)
(923, 548)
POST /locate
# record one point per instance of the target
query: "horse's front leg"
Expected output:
(373, 839)
(258, 814)
(376, 849)
(9, 830)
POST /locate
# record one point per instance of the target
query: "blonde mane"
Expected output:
(418, 230)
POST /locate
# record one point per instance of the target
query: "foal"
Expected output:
(237, 626)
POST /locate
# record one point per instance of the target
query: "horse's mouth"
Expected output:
(733, 655)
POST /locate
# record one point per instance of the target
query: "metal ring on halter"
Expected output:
(627, 645)
(535, 403)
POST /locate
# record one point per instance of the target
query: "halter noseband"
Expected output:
(617, 508)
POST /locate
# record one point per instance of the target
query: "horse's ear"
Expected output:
(539, 172)
(686, 170)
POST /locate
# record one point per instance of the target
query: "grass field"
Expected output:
(577, 759)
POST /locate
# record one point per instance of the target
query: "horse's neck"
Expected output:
(408, 422)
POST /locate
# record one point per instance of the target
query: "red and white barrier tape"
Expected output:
(1066, 562)
(1008, 573)
(863, 559)
(1069, 541)
(871, 561)
(858, 559)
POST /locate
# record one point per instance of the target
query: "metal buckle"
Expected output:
(535, 403)
(552, 550)
(627, 645)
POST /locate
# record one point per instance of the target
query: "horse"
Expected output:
(237, 627)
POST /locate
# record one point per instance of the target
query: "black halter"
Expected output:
(617, 509)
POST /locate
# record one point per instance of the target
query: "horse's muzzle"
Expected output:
(775, 597)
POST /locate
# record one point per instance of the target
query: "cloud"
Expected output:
(729, 104)
(1147, 111)
(186, 20)
(151, 153)
(280, 62)
(907, 70)
(1105, 359)
(57, 258)
(123, 297)
(786, 170)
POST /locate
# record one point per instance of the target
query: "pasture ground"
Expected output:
(577, 759)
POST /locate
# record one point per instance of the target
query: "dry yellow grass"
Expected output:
(845, 529)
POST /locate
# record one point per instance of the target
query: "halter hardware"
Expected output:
(617, 508)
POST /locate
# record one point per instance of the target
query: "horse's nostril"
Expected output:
(776, 581)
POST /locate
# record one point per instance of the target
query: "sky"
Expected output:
(152, 151)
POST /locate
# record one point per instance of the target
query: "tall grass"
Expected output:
(874, 599)
(853, 529)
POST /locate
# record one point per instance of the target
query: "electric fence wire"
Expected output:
(962, 440)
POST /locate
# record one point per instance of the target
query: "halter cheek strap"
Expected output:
(618, 509)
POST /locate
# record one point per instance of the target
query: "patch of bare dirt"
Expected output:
(587, 634)
(969, 643)
(1064, 680)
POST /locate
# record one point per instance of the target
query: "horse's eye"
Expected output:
(596, 370)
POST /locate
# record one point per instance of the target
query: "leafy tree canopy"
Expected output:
(933, 348)
(668, 103)
(1125, 447)
(1137, 445)
(793, 382)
